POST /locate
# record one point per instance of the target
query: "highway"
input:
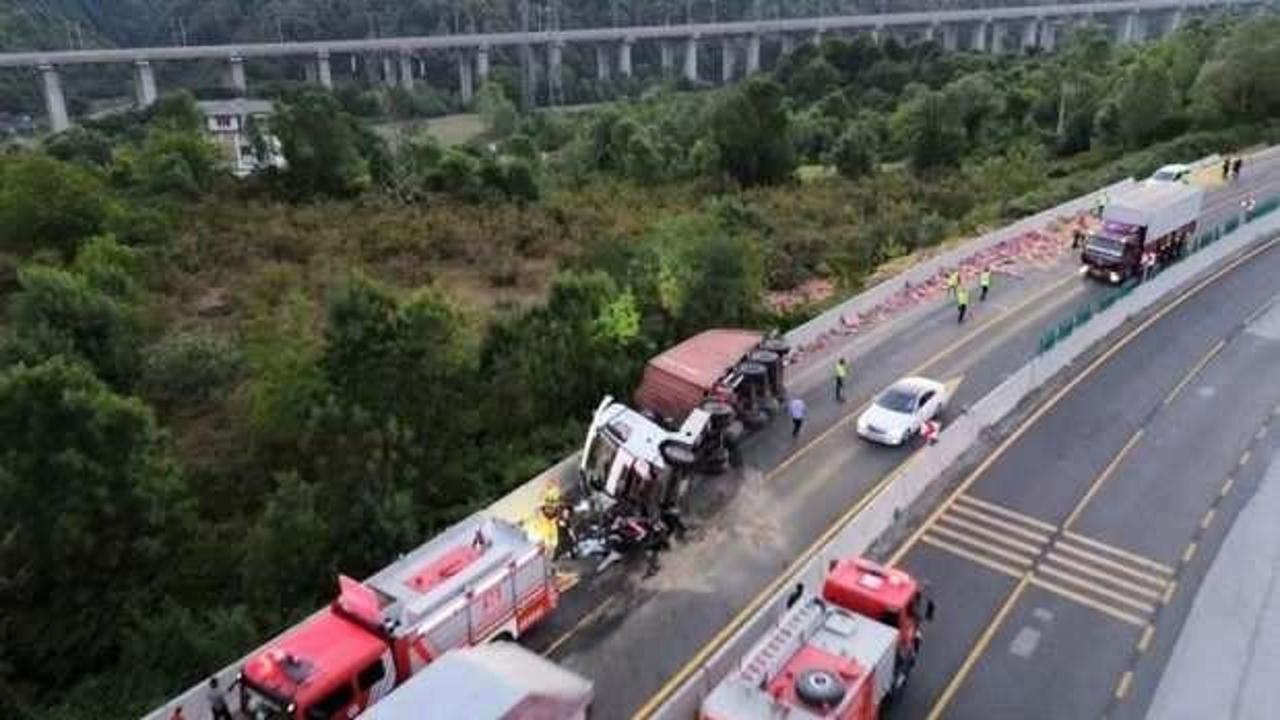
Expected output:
(1064, 564)
(636, 638)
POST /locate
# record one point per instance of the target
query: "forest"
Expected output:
(215, 395)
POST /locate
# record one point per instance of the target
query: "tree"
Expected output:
(497, 111)
(975, 100)
(936, 138)
(1239, 82)
(321, 146)
(854, 154)
(1144, 103)
(749, 127)
(57, 312)
(47, 203)
(89, 500)
(175, 161)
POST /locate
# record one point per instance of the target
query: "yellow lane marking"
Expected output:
(1144, 642)
(1011, 514)
(1244, 459)
(586, 620)
(940, 705)
(1153, 593)
(1217, 348)
(1122, 690)
(1009, 555)
(1088, 602)
(990, 534)
(1168, 593)
(1094, 588)
(1226, 487)
(1118, 567)
(1102, 478)
(1207, 520)
(1113, 550)
(1189, 553)
(1038, 537)
(975, 557)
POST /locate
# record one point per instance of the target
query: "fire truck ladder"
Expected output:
(790, 636)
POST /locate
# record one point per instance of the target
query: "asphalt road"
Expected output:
(1064, 567)
(631, 635)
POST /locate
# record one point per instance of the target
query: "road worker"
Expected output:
(953, 282)
(984, 282)
(962, 302)
(842, 372)
(1102, 204)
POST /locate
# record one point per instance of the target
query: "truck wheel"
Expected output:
(677, 454)
(820, 688)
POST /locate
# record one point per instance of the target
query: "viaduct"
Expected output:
(397, 60)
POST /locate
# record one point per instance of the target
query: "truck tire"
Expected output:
(776, 345)
(752, 370)
(677, 454)
(820, 688)
(721, 413)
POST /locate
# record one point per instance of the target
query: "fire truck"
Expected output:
(842, 655)
(480, 580)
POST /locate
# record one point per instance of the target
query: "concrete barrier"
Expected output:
(892, 500)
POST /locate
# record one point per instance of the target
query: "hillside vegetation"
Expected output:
(217, 395)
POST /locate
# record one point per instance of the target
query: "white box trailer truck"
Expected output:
(1153, 219)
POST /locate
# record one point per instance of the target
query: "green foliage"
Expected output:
(188, 368)
(1144, 103)
(84, 542)
(749, 128)
(936, 140)
(854, 154)
(80, 144)
(177, 161)
(1238, 83)
(499, 113)
(321, 145)
(49, 204)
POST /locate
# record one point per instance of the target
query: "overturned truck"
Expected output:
(694, 402)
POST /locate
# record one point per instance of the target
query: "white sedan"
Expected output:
(900, 411)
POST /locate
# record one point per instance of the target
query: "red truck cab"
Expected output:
(887, 595)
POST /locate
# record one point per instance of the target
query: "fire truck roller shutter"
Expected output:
(820, 688)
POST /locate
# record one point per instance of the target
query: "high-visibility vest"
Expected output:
(841, 370)
(985, 280)
(962, 296)
(953, 280)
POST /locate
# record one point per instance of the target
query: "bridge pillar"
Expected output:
(753, 53)
(950, 37)
(1031, 34)
(691, 59)
(726, 60)
(144, 79)
(466, 84)
(624, 58)
(324, 72)
(55, 103)
(1174, 23)
(788, 44)
(668, 57)
(482, 63)
(388, 71)
(234, 77)
(979, 42)
(602, 63)
(1130, 30)
(931, 32)
(998, 32)
(1048, 36)
(555, 58)
(817, 36)
(406, 70)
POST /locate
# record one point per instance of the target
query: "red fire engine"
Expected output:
(835, 657)
(482, 579)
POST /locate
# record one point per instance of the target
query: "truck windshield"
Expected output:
(1103, 245)
(257, 705)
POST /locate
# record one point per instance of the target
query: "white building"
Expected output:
(232, 125)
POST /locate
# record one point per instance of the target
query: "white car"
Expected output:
(900, 411)
(1172, 173)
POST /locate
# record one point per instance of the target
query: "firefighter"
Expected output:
(962, 302)
(544, 526)
(217, 702)
(842, 372)
(984, 282)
